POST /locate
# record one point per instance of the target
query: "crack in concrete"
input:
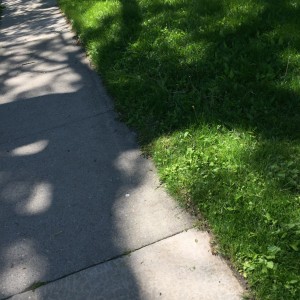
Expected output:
(36, 285)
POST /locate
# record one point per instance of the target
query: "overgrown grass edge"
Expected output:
(213, 89)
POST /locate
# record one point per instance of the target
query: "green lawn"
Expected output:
(213, 89)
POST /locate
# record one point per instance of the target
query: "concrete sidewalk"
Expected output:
(80, 209)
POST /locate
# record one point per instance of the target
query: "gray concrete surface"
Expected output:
(178, 267)
(75, 191)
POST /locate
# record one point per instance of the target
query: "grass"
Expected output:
(213, 88)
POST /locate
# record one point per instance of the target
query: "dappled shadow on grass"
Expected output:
(223, 74)
(197, 66)
(174, 65)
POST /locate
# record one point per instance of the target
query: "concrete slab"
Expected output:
(46, 83)
(180, 267)
(29, 20)
(76, 196)
(74, 188)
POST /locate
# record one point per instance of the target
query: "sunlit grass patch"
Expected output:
(213, 88)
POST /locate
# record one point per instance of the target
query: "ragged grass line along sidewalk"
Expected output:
(213, 88)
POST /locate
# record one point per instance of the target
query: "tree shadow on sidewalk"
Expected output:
(66, 167)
